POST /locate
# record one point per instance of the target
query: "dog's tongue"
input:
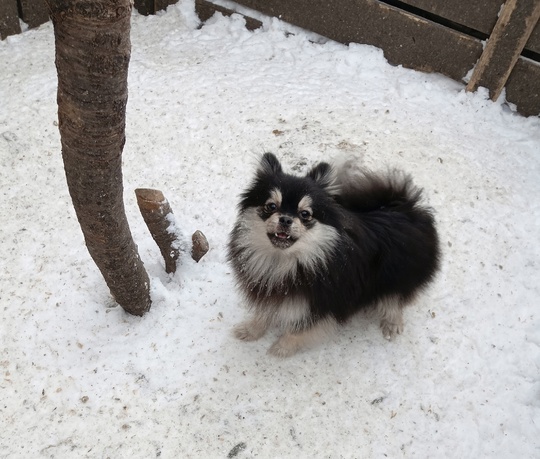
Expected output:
(281, 235)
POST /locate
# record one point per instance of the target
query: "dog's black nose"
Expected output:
(285, 221)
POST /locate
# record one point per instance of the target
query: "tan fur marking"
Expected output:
(305, 204)
(390, 312)
(251, 329)
(275, 197)
(290, 342)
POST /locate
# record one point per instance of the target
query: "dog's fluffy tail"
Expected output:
(363, 190)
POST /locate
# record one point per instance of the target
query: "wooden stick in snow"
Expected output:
(159, 219)
(200, 246)
(158, 216)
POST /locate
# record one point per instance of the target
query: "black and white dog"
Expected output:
(309, 252)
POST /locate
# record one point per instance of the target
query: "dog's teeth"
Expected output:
(282, 236)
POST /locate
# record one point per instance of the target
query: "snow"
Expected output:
(80, 378)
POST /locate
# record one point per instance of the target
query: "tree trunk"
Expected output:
(92, 57)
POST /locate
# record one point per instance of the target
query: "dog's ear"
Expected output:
(322, 174)
(270, 165)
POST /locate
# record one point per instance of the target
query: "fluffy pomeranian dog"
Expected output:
(309, 252)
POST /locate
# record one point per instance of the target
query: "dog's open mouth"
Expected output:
(281, 240)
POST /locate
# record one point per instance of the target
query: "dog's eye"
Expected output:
(270, 207)
(305, 215)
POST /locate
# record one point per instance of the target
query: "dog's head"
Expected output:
(291, 208)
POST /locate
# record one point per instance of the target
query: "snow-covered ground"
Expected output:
(80, 378)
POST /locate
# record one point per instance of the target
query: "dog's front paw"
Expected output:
(285, 346)
(248, 331)
(391, 329)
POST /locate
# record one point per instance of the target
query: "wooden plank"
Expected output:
(405, 39)
(205, 10)
(523, 87)
(34, 12)
(9, 18)
(479, 15)
(503, 48)
(534, 40)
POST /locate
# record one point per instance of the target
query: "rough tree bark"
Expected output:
(92, 57)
